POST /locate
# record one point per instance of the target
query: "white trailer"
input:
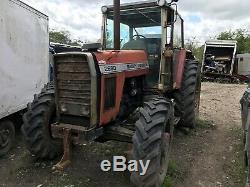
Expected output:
(24, 58)
(244, 64)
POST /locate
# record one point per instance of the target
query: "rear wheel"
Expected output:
(7, 136)
(187, 98)
(37, 125)
(152, 141)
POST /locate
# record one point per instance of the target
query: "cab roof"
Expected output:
(140, 14)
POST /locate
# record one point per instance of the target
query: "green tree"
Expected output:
(242, 37)
(192, 44)
(198, 52)
(63, 37)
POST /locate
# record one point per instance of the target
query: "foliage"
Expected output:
(174, 174)
(63, 37)
(198, 53)
(192, 45)
(242, 37)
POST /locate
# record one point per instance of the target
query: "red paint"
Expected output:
(181, 60)
(126, 56)
(123, 57)
(136, 73)
(107, 116)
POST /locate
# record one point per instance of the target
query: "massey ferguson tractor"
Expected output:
(135, 88)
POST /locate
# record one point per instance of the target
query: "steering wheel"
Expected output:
(138, 36)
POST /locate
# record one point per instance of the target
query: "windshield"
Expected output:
(135, 24)
(125, 35)
(130, 33)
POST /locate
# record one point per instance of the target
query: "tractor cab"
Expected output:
(146, 26)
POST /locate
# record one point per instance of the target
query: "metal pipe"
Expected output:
(117, 24)
(182, 34)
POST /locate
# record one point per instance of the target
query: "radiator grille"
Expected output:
(110, 92)
(73, 85)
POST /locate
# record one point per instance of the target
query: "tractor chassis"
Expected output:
(78, 135)
(72, 134)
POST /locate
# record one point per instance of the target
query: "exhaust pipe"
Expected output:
(117, 24)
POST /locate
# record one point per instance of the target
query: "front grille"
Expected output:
(73, 85)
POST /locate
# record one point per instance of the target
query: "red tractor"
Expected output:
(135, 89)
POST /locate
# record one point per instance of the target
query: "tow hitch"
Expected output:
(72, 134)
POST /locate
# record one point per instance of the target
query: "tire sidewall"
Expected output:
(157, 169)
(41, 114)
(197, 92)
(7, 125)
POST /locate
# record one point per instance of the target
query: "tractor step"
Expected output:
(118, 133)
(74, 128)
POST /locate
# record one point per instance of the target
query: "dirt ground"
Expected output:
(210, 155)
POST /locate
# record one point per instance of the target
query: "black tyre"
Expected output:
(245, 119)
(152, 141)
(7, 136)
(37, 125)
(247, 153)
(187, 98)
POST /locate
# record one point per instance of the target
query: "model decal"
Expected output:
(114, 68)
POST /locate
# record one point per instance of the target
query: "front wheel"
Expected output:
(152, 142)
(7, 136)
(37, 124)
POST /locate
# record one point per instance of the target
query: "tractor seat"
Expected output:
(135, 45)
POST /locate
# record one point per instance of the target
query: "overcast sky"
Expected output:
(203, 19)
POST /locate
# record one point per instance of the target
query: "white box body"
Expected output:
(24, 57)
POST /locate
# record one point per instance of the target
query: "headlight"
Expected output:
(63, 108)
(104, 9)
(85, 111)
(161, 2)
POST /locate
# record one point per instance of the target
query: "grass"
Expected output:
(168, 182)
(177, 169)
(174, 174)
(200, 125)
(235, 166)
(69, 181)
(204, 124)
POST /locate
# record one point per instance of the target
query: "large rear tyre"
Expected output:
(152, 141)
(37, 125)
(187, 98)
(7, 136)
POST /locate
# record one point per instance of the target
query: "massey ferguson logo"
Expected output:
(131, 66)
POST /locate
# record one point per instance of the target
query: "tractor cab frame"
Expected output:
(157, 30)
